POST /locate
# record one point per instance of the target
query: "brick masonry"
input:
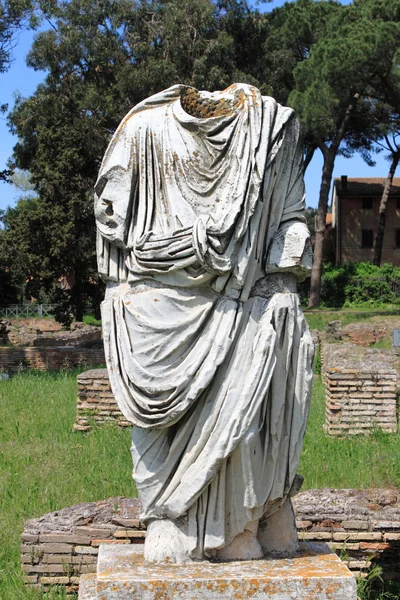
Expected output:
(13, 359)
(361, 389)
(59, 547)
(96, 403)
(361, 526)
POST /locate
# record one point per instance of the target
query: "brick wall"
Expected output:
(361, 389)
(59, 547)
(42, 358)
(360, 526)
(96, 403)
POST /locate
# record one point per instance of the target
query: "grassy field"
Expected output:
(354, 462)
(45, 466)
(318, 319)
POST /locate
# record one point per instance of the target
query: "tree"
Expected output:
(329, 96)
(383, 135)
(291, 33)
(380, 228)
(21, 180)
(310, 214)
(103, 57)
(385, 104)
(382, 103)
(14, 15)
(18, 228)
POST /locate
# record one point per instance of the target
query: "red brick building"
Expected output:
(355, 206)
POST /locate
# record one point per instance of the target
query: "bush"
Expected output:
(91, 320)
(360, 285)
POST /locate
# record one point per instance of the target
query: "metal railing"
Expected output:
(16, 311)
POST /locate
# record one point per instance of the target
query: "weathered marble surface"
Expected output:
(314, 574)
(201, 240)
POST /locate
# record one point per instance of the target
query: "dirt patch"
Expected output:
(364, 334)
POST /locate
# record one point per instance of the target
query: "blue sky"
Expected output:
(24, 80)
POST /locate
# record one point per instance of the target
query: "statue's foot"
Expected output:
(277, 534)
(244, 546)
(166, 541)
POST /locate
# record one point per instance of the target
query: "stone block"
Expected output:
(303, 524)
(355, 524)
(314, 574)
(87, 587)
(29, 537)
(62, 538)
(30, 579)
(86, 550)
(96, 543)
(129, 533)
(315, 535)
(391, 537)
(55, 580)
(130, 523)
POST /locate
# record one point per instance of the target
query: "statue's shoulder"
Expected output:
(272, 104)
(156, 101)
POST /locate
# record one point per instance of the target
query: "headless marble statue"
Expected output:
(201, 240)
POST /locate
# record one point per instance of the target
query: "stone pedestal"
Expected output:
(316, 573)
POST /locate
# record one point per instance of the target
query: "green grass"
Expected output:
(318, 319)
(45, 466)
(353, 462)
(91, 320)
(374, 588)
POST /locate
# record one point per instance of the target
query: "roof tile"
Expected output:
(365, 186)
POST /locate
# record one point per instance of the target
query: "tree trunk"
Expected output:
(329, 154)
(308, 156)
(77, 297)
(320, 219)
(79, 313)
(380, 227)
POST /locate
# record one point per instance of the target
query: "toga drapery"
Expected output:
(211, 366)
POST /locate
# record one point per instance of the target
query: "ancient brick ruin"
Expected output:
(41, 345)
(96, 403)
(361, 389)
(13, 359)
(361, 526)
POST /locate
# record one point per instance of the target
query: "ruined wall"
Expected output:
(360, 526)
(59, 547)
(95, 402)
(45, 358)
(361, 389)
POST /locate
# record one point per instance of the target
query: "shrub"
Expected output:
(361, 284)
(91, 320)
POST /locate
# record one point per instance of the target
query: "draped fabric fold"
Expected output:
(215, 379)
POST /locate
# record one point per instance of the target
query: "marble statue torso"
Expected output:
(201, 239)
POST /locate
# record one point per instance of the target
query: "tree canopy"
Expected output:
(358, 51)
(14, 15)
(102, 57)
